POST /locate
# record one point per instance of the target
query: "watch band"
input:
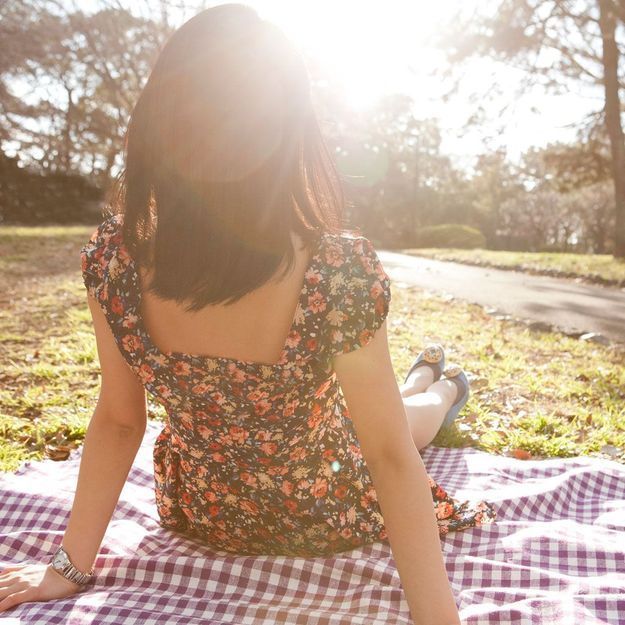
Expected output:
(63, 565)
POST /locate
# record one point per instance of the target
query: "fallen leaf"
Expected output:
(521, 454)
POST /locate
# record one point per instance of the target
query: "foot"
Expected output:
(426, 368)
(457, 376)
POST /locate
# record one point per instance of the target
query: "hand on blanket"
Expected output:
(32, 582)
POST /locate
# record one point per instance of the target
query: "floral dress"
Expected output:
(261, 458)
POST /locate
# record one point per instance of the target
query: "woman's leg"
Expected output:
(418, 381)
(426, 404)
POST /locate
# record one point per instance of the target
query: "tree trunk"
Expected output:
(610, 58)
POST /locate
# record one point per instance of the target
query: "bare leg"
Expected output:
(426, 410)
(418, 381)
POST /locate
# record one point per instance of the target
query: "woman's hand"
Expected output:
(32, 582)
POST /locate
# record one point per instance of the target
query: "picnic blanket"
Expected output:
(555, 555)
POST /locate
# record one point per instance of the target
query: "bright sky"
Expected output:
(374, 48)
(377, 48)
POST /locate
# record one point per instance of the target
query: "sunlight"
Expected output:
(367, 49)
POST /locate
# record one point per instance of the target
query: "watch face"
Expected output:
(60, 559)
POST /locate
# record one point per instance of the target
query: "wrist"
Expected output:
(63, 565)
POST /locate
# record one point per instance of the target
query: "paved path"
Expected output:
(570, 305)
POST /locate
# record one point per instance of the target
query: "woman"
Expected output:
(224, 238)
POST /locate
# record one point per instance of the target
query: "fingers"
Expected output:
(14, 596)
(8, 569)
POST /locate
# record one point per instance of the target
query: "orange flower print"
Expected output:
(235, 372)
(238, 434)
(346, 532)
(219, 487)
(213, 510)
(116, 305)
(287, 487)
(186, 498)
(130, 321)
(146, 372)
(204, 432)
(440, 493)
(269, 448)
(248, 478)
(328, 454)
(340, 491)
(316, 416)
(313, 276)
(248, 506)
(263, 406)
(182, 368)
(291, 505)
(200, 389)
(334, 255)
(443, 510)
(257, 394)
(320, 487)
(320, 391)
(131, 343)
(209, 495)
(293, 339)
(316, 302)
(290, 407)
(298, 453)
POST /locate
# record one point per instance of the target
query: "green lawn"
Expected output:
(546, 393)
(602, 268)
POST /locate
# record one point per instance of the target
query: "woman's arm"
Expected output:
(113, 438)
(399, 477)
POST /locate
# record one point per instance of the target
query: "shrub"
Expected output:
(30, 197)
(450, 235)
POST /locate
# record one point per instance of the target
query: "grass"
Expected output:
(600, 268)
(537, 395)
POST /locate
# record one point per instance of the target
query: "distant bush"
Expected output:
(28, 197)
(450, 235)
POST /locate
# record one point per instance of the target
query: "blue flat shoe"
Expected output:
(456, 375)
(433, 356)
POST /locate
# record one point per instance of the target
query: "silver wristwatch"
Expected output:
(60, 562)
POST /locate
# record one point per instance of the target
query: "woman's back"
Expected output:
(252, 329)
(256, 457)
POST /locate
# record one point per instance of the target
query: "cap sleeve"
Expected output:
(360, 297)
(95, 255)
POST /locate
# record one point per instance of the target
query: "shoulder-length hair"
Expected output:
(224, 159)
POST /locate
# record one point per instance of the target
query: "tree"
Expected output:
(561, 45)
(84, 72)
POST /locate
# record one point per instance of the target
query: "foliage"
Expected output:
(450, 235)
(543, 219)
(559, 47)
(30, 197)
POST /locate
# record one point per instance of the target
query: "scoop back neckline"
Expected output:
(178, 356)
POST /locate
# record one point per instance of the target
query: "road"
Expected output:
(569, 305)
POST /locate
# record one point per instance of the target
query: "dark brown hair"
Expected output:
(224, 159)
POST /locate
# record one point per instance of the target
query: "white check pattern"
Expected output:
(554, 556)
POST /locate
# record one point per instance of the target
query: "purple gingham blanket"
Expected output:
(555, 555)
